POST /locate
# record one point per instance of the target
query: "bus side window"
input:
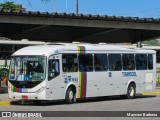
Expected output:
(86, 63)
(53, 68)
(100, 62)
(115, 63)
(150, 61)
(141, 62)
(128, 62)
(70, 63)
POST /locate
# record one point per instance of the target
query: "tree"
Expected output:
(9, 6)
(155, 42)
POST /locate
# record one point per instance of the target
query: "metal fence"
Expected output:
(2, 66)
(158, 75)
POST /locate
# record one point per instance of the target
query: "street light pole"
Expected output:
(76, 7)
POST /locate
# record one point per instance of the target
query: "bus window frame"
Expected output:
(120, 61)
(77, 63)
(146, 61)
(133, 61)
(92, 54)
(107, 63)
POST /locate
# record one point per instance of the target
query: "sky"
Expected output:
(126, 8)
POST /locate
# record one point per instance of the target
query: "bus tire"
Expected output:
(131, 91)
(70, 96)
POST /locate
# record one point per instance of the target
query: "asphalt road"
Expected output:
(140, 103)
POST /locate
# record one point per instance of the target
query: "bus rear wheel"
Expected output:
(131, 91)
(70, 96)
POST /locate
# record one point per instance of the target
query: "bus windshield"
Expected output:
(27, 68)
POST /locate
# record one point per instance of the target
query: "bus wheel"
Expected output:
(131, 91)
(70, 96)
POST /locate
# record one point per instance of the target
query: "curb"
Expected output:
(6, 103)
(151, 93)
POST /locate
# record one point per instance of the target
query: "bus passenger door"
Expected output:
(54, 79)
(149, 82)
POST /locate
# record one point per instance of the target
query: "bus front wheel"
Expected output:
(70, 96)
(131, 91)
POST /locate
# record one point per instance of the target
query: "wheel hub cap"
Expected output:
(70, 95)
(131, 91)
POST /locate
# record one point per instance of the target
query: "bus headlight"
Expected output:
(40, 90)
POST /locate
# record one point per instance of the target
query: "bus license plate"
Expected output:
(24, 97)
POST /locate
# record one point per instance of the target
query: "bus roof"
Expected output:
(48, 50)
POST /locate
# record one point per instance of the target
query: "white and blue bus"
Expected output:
(79, 71)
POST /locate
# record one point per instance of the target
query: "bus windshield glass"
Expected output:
(27, 68)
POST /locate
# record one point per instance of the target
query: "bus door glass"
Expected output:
(53, 67)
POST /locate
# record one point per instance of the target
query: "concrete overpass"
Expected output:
(62, 27)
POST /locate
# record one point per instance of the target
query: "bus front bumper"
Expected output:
(27, 96)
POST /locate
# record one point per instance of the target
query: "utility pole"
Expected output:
(76, 7)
